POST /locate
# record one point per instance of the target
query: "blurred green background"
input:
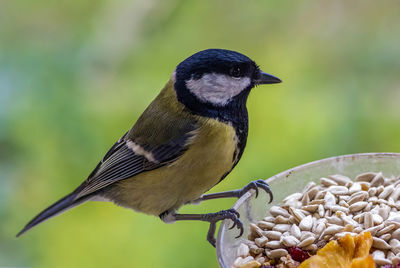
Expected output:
(75, 75)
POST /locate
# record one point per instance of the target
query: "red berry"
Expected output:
(298, 254)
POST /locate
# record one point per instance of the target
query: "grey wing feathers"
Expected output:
(123, 163)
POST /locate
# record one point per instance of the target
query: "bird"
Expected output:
(185, 142)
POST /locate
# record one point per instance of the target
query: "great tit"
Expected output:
(186, 141)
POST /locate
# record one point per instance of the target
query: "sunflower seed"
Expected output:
(275, 211)
(277, 253)
(295, 231)
(356, 187)
(327, 182)
(377, 180)
(368, 220)
(273, 244)
(380, 243)
(243, 250)
(306, 242)
(338, 190)
(289, 241)
(386, 192)
(306, 223)
(366, 177)
(265, 225)
(282, 227)
(274, 235)
(340, 179)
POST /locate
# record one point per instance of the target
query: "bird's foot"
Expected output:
(255, 185)
(213, 218)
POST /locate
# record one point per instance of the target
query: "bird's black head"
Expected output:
(213, 81)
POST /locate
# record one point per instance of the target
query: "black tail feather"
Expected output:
(60, 206)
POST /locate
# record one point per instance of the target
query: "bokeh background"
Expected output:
(75, 75)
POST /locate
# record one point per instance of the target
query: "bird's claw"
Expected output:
(255, 185)
(213, 218)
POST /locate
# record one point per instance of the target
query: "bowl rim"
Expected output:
(287, 172)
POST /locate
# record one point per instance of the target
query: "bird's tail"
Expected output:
(58, 207)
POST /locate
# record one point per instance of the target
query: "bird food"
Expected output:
(308, 220)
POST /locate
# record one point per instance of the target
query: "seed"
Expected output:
(385, 237)
(306, 234)
(395, 260)
(254, 229)
(295, 231)
(382, 262)
(365, 177)
(321, 194)
(358, 230)
(310, 208)
(340, 179)
(368, 207)
(317, 202)
(396, 193)
(327, 182)
(281, 219)
(306, 223)
(306, 199)
(377, 219)
(306, 242)
(309, 185)
(297, 214)
(277, 253)
(313, 192)
(372, 191)
(243, 250)
(384, 211)
(358, 206)
(255, 250)
(289, 241)
(311, 248)
(386, 191)
(377, 180)
(338, 190)
(396, 234)
(380, 189)
(273, 244)
(380, 243)
(334, 220)
(265, 225)
(368, 220)
(261, 241)
(356, 197)
(330, 199)
(386, 229)
(339, 208)
(375, 229)
(343, 203)
(395, 244)
(274, 235)
(356, 187)
(320, 228)
(282, 227)
(321, 210)
(333, 229)
(365, 185)
(275, 211)
(269, 219)
(295, 196)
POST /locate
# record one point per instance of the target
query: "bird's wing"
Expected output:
(127, 158)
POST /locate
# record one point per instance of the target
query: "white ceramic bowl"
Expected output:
(294, 180)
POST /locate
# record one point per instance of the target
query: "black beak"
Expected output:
(264, 78)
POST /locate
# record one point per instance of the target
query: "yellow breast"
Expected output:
(209, 157)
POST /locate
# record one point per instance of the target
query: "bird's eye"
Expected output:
(235, 71)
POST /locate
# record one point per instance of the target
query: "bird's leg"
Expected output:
(212, 218)
(238, 193)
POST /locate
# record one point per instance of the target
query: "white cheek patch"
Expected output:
(217, 89)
